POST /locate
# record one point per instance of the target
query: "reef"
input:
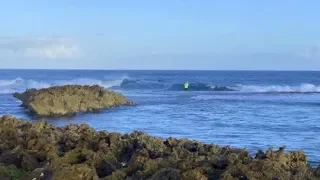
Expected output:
(69, 100)
(77, 152)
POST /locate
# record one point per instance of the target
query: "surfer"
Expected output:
(186, 86)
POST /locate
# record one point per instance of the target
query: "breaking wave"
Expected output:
(10, 82)
(127, 83)
(141, 84)
(303, 88)
(20, 84)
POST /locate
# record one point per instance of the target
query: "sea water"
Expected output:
(244, 109)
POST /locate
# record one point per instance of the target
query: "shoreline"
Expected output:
(81, 150)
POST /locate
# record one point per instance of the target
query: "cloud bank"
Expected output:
(42, 47)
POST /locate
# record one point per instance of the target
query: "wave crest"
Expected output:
(11, 82)
(127, 83)
(19, 84)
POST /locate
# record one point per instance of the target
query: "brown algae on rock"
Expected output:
(79, 152)
(70, 99)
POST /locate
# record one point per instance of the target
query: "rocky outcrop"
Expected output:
(42, 151)
(69, 100)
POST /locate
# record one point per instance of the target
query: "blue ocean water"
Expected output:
(243, 109)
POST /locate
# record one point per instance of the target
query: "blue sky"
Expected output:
(160, 34)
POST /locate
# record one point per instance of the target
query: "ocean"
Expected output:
(244, 109)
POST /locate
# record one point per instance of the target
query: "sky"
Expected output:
(160, 34)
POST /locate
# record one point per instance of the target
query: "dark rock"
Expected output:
(166, 173)
(317, 171)
(11, 158)
(29, 163)
(261, 155)
(5, 178)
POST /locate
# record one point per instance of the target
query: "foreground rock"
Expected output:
(77, 152)
(70, 99)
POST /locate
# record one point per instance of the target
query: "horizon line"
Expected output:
(80, 69)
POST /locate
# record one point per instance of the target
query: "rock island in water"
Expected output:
(69, 100)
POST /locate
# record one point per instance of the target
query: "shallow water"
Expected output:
(252, 110)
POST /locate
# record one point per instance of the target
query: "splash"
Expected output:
(15, 81)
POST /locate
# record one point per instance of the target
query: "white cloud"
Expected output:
(42, 47)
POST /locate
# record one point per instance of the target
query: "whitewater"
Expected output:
(244, 109)
(19, 84)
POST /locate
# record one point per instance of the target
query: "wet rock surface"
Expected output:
(69, 100)
(42, 151)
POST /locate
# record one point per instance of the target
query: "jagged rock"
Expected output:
(198, 174)
(166, 173)
(79, 152)
(38, 174)
(11, 158)
(29, 163)
(4, 171)
(75, 172)
(317, 171)
(69, 100)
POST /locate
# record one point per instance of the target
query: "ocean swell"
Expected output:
(126, 83)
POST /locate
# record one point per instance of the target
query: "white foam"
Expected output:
(11, 82)
(114, 83)
(8, 86)
(6, 91)
(204, 97)
(303, 88)
(88, 81)
(35, 84)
